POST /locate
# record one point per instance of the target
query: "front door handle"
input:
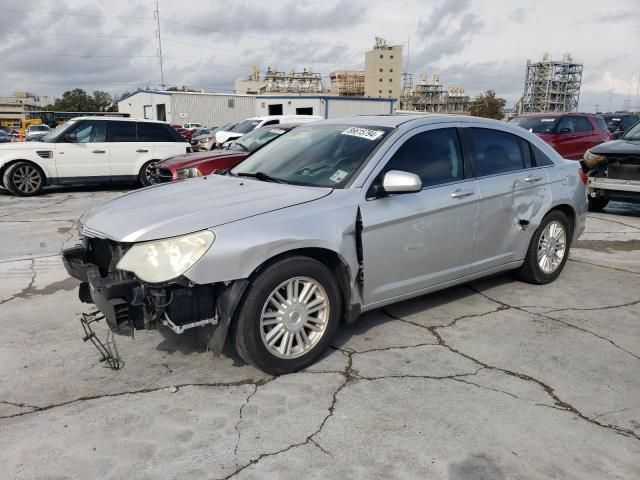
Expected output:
(98, 151)
(461, 193)
(532, 179)
(142, 150)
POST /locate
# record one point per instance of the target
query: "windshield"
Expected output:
(315, 155)
(536, 124)
(39, 128)
(633, 134)
(246, 126)
(58, 131)
(254, 140)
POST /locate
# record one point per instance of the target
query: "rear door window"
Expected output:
(582, 125)
(495, 152)
(121, 131)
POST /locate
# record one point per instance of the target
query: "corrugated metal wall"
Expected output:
(348, 108)
(211, 110)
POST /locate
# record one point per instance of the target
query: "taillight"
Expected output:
(583, 176)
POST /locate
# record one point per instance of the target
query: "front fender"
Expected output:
(243, 246)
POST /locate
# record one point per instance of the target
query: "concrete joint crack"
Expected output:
(558, 402)
(138, 392)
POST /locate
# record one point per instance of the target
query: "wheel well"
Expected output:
(13, 162)
(329, 259)
(570, 213)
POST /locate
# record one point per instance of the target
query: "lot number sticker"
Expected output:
(363, 133)
(338, 176)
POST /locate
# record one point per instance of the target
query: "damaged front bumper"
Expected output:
(129, 304)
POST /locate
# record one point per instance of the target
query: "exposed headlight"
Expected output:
(591, 159)
(189, 173)
(163, 260)
(204, 140)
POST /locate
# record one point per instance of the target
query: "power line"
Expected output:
(73, 35)
(35, 12)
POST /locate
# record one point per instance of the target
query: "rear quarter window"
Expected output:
(600, 123)
(540, 158)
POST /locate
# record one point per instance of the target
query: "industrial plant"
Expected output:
(551, 85)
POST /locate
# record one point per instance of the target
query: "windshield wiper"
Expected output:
(262, 177)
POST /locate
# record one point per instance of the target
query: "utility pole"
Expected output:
(156, 14)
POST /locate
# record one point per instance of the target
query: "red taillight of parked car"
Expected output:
(583, 176)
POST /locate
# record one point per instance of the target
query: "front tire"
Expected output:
(288, 316)
(548, 251)
(24, 179)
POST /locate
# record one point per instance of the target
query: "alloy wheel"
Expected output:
(294, 318)
(27, 179)
(149, 173)
(552, 247)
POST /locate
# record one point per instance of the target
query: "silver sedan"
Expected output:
(331, 220)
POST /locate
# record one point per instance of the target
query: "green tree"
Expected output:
(77, 100)
(487, 105)
(102, 101)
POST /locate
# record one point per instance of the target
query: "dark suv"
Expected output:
(570, 134)
(618, 123)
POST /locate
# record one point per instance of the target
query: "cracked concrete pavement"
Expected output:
(493, 380)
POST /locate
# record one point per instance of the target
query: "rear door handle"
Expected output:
(532, 179)
(98, 151)
(461, 193)
(142, 150)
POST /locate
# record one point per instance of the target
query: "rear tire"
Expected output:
(597, 204)
(145, 177)
(288, 316)
(24, 179)
(548, 251)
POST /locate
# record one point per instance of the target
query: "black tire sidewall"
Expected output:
(541, 276)
(8, 179)
(248, 319)
(597, 204)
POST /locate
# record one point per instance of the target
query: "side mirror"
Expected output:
(396, 181)
(617, 134)
(70, 138)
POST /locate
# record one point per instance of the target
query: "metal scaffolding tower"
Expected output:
(429, 95)
(552, 85)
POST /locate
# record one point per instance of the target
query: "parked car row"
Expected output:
(325, 221)
(608, 146)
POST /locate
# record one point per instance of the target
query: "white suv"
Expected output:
(251, 124)
(89, 150)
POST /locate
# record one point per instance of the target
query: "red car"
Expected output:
(570, 134)
(204, 163)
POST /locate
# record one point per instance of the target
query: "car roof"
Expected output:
(557, 114)
(118, 119)
(406, 118)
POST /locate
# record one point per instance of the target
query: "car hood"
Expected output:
(222, 136)
(617, 147)
(178, 208)
(179, 161)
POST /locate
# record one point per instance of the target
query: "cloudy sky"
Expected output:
(49, 47)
